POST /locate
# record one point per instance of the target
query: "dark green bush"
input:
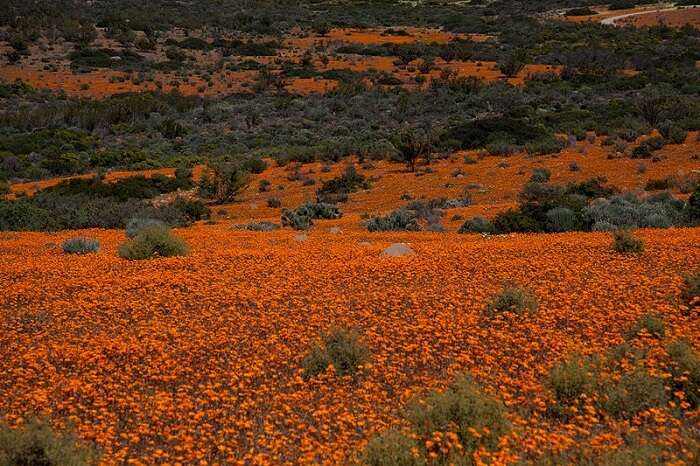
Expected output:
(36, 444)
(583, 11)
(672, 132)
(349, 182)
(153, 241)
(514, 221)
(274, 202)
(540, 175)
(134, 187)
(476, 225)
(340, 347)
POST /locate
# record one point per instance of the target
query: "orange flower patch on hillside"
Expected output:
(198, 359)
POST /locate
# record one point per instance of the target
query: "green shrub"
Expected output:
(652, 324)
(398, 220)
(391, 448)
(349, 182)
(36, 444)
(254, 165)
(545, 146)
(633, 393)
(692, 209)
(584, 11)
(262, 226)
(303, 216)
(80, 245)
(513, 298)
(570, 379)
(4, 187)
(561, 219)
(463, 408)
(136, 224)
(671, 132)
(274, 202)
(153, 241)
(133, 187)
(624, 242)
(685, 371)
(514, 221)
(340, 347)
(476, 225)
(540, 175)
(691, 290)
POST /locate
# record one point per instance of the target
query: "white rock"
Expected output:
(398, 250)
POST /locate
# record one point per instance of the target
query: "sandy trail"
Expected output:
(612, 21)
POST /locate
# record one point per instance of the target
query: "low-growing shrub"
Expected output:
(349, 182)
(691, 290)
(153, 241)
(624, 242)
(647, 147)
(4, 187)
(651, 324)
(391, 448)
(514, 221)
(545, 146)
(340, 347)
(635, 392)
(262, 226)
(303, 216)
(80, 245)
(136, 224)
(398, 220)
(513, 298)
(561, 219)
(476, 225)
(264, 186)
(274, 202)
(685, 371)
(570, 379)
(463, 409)
(630, 211)
(673, 133)
(36, 444)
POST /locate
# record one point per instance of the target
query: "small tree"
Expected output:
(224, 181)
(412, 144)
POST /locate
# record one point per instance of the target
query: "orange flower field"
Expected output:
(197, 359)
